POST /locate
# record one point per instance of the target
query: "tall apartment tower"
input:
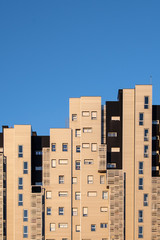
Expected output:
(98, 179)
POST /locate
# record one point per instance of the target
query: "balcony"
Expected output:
(102, 158)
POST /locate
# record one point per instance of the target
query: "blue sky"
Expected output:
(56, 49)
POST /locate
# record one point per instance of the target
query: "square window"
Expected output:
(61, 210)
(53, 163)
(140, 216)
(49, 210)
(74, 117)
(20, 199)
(103, 225)
(63, 161)
(74, 211)
(61, 179)
(85, 211)
(140, 187)
(87, 130)
(48, 195)
(102, 179)
(52, 227)
(104, 209)
(20, 183)
(146, 102)
(90, 179)
(78, 165)
(85, 145)
(20, 151)
(78, 149)
(25, 215)
(140, 232)
(140, 167)
(64, 147)
(63, 225)
(141, 119)
(88, 161)
(25, 167)
(94, 147)
(77, 195)
(53, 147)
(74, 180)
(93, 115)
(146, 134)
(77, 132)
(145, 202)
(85, 114)
(25, 231)
(146, 151)
(92, 194)
(93, 227)
(63, 194)
(104, 195)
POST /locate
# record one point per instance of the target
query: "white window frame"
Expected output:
(105, 195)
(48, 195)
(52, 227)
(53, 163)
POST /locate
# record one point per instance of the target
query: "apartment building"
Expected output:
(97, 179)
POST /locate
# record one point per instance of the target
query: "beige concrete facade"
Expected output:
(80, 198)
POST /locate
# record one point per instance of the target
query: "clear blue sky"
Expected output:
(56, 49)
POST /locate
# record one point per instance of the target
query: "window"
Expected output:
(64, 147)
(146, 102)
(140, 167)
(112, 134)
(94, 115)
(74, 211)
(78, 165)
(78, 149)
(61, 210)
(85, 211)
(145, 151)
(104, 195)
(90, 179)
(87, 130)
(140, 187)
(85, 145)
(20, 199)
(63, 225)
(25, 215)
(93, 227)
(20, 151)
(146, 134)
(140, 232)
(25, 167)
(63, 161)
(74, 180)
(61, 179)
(74, 117)
(53, 163)
(38, 168)
(115, 118)
(63, 194)
(38, 153)
(94, 147)
(20, 183)
(85, 114)
(104, 209)
(155, 122)
(77, 195)
(115, 149)
(102, 179)
(25, 231)
(38, 183)
(92, 194)
(78, 228)
(111, 165)
(77, 132)
(48, 195)
(88, 161)
(103, 225)
(145, 203)
(52, 227)
(49, 210)
(141, 119)
(53, 147)
(140, 216)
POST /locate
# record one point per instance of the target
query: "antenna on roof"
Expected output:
(151, 79)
